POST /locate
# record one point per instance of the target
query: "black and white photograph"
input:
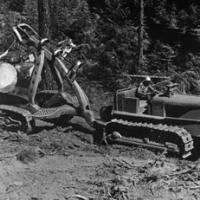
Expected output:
(99, 100)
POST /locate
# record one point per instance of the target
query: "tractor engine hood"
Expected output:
(178, 100)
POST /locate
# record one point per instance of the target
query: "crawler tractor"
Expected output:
(167, 121)
(22, 106)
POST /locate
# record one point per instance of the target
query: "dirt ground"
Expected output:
(62, 163)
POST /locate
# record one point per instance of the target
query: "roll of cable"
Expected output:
(8, 77)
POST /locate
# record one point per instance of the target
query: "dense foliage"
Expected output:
(110, 28)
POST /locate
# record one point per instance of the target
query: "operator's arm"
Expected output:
(152, 90)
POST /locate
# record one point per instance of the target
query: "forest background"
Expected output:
(171, 43)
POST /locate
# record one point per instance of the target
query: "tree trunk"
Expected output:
(141, 38)
(43, 18)
(52, 18)
(44, 32)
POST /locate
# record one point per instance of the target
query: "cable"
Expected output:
(6, 52)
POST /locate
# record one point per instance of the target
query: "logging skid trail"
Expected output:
(58, 163)
(62, 163)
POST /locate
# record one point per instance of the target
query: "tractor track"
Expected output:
(15, 118)
(160, 136)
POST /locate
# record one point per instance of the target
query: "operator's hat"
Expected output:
(148, 79)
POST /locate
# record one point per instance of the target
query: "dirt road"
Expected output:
(56, 164)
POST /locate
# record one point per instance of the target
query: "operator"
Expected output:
(145, 89)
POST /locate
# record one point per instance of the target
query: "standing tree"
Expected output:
(44, 32)
(43, 18)
(52, 18)
(141, 37)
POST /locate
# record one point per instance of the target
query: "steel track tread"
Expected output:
(46, 112)
(24, 114)
(159, 132)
